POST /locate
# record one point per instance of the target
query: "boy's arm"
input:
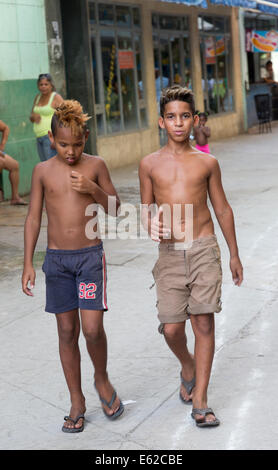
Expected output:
(151, 224)
(5, 130)
(32, 230)
(225, 217)
(100, 191)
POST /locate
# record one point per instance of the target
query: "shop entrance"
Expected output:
(261, 63)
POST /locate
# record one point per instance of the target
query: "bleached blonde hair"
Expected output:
(70, 114)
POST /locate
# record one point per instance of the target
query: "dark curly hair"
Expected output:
(176, 93)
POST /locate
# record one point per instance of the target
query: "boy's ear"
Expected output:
(51, 138)
(87, 133)
(161, 122)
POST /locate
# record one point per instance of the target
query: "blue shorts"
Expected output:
(75, 279)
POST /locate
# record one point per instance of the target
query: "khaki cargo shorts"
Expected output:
(188, 281)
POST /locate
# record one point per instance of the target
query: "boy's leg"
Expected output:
(203, 328)
(175, 337)
(68, 325)
(93, 330)
(12, 166)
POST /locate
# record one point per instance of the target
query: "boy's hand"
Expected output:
(29, 275)
(237, 270)
(158, 231)
(80, 183)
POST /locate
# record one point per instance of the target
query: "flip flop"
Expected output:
(188, 387)
(74, 421)
(201, 422)
(109, 405)
(19, 203)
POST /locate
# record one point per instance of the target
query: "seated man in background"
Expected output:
(11, 165)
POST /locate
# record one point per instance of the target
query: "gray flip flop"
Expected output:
(109, 405)
(188, 387)
(74, 421)
(201, 422)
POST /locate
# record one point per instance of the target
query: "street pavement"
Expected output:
(244, 381)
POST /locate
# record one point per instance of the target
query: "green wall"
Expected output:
(23, 56)
(16, 102)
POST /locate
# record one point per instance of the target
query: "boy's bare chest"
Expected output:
(173, 175)
(59, 185)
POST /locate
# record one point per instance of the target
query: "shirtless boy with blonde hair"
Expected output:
(74, 265)
(188, 272)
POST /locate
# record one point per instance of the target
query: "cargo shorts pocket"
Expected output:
(216, 254)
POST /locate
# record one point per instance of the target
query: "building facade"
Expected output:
(137, 47)
(115, 56)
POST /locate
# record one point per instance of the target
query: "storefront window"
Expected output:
(106, 14)
(118, 68)
(136, 17)
(216, 68)
(110, 79)
(171, 52)
(261, 33)
(127, 65)
(123, 16)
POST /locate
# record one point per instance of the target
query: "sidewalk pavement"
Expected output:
(244, 382)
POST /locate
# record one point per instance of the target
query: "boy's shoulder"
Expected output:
(150, 159)
(95, 161)
(93, 158)
(206, 159)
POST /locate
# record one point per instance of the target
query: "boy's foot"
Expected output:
(187, 381)
(186, 391)
(204, 417)
(110, 402)
(75, 421)
(18, 202)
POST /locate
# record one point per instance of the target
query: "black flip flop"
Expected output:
(201, 422)
(74, 421)
(109, 405)
(188, 387)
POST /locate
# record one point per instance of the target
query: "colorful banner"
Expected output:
(215, 46)
(261, 41)
(264, 41)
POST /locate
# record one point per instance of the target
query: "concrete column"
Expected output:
(78, 60)
(237, 75)
(55, 45)
(196, 65)
(149, 71)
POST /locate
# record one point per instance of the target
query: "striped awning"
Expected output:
(267, 6)
(195, 3)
